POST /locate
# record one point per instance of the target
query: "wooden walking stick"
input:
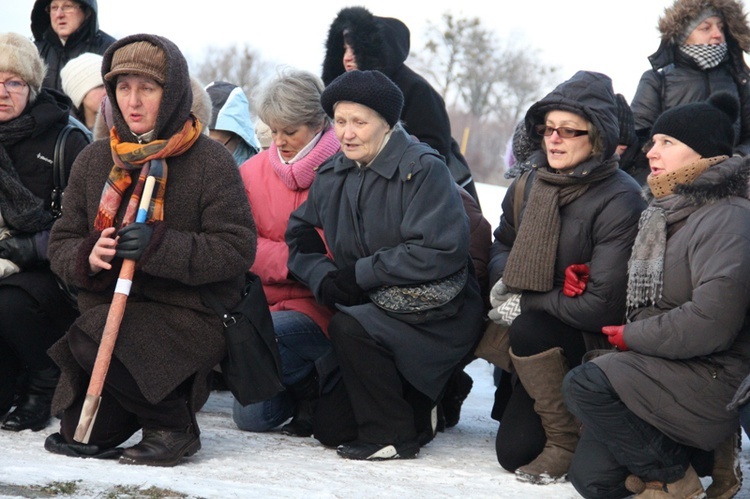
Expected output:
(111, 328)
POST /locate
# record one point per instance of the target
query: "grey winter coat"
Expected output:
(401, 221)
(597, 229)
(207, 236)
(689, 352)
(676, 79)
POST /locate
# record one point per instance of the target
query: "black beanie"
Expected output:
(625, 121)
(706, 127)
(369, 88)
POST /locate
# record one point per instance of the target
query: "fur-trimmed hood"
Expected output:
(676, 19)
(725, 179)
(380, 43)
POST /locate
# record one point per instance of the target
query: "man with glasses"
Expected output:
(63, 30)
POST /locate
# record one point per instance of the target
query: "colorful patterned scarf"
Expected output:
(129, 156)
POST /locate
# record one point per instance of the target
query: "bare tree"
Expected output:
(489, 83)
(240, 65)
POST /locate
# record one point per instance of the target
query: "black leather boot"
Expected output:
(305, 394)
(33, 409)
(56, 444)
(162, 447)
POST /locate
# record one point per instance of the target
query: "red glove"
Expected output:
(614, 336)
(576, 277)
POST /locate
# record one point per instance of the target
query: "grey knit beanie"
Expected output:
(690, 27)
(369, 88)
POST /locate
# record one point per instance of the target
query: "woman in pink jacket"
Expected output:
(277, 182)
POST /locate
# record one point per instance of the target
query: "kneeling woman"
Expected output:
(391, 215)
(199, 232)
(686, 346)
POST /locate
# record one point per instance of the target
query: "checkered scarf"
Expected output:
(706, 56)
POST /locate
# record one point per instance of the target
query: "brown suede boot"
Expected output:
(727, 474)
(542, 376)
(688, 487)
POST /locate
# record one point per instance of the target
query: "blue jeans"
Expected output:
(301, 342)
(745, 418)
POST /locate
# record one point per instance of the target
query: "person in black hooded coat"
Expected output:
(55, 51)
(382, 43)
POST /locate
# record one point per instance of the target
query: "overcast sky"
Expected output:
(611, 37)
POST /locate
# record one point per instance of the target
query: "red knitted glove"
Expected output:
(614, 336)
(576, 278)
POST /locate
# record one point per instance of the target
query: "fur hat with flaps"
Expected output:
(145, 58)
(678, 19)
(705, 127)
(18, 55)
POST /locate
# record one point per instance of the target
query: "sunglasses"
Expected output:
(563, 132)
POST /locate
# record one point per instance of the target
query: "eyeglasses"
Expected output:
(13, 86)
(65, 8)
(564, 132)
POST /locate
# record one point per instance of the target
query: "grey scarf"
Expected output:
(646, 265)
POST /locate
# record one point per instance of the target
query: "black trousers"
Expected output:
(520, 437)
(26, 332)
(615, 442)
(373, 403)
(123, 409)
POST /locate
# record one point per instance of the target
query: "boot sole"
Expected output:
(188, 451)
(36, 427)
(542, 479)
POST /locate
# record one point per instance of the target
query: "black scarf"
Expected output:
(21, 209)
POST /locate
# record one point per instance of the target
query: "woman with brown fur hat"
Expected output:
(33, 311)
(701, 53)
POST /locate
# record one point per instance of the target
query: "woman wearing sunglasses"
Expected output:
(560, 269)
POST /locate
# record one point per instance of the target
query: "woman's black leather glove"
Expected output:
(22, 250)
(133, 240)
(340, 286)
(307, 239)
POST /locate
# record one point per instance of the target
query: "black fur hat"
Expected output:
(369, 88)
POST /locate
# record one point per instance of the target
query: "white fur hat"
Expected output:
(80, 75)
(19, 55)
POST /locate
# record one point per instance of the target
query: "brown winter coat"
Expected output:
(207, 236)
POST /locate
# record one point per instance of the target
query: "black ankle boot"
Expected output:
(33, 409)
(305, 394)
(457, 390)
(162, 447)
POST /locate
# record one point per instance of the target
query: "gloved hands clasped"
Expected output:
(132, 240)
(25, 250)
(506, 306)
(576, 278)
(340, 286)
(614, 336)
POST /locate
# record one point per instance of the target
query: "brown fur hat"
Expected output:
(678, 17)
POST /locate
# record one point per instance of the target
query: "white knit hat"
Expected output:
(80, 75)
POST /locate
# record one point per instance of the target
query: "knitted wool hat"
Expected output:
(369, 88)
(706, 127)
(142, 58)
(625, 120)
(702, 16)
(80, 75)
(19, 55)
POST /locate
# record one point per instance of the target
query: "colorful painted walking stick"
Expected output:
(111, 327)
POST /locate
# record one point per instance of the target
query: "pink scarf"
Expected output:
(299, 175)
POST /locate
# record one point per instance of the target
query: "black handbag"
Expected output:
(252, 366)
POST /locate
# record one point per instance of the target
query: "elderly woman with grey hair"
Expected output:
(277, 182)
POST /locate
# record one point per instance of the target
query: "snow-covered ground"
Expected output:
(232, 464)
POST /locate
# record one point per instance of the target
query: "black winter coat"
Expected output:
(33, 160)
(88, 38)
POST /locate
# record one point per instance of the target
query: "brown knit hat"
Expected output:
(142, 58)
